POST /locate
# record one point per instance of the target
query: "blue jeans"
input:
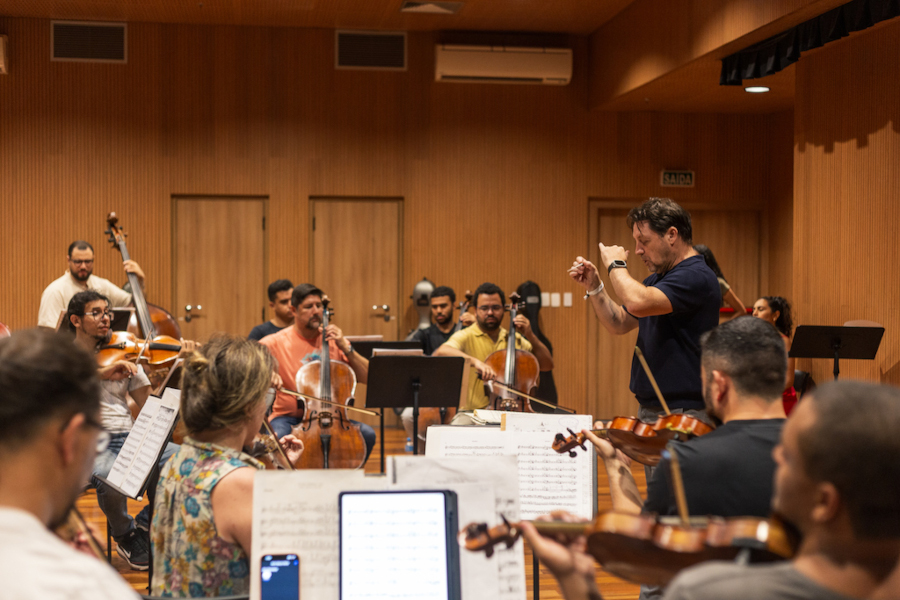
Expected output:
(113, 504)
(282, 426)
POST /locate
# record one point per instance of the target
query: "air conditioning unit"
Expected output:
(502, 64)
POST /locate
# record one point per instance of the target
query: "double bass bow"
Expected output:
(151, 322)
(330, 440)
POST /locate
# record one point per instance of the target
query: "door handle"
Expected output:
(190, 314)
(386, 309)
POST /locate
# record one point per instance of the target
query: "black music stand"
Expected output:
(825, 341)
(398, 381)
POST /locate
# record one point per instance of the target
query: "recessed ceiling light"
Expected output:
(756, 89)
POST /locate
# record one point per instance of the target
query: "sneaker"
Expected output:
(135, 549)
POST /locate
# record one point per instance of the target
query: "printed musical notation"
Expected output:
(144, 444)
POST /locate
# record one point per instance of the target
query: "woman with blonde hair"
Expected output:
(202, 525)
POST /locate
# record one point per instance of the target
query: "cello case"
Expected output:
(546, 389)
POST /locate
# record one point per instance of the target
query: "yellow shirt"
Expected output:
(477, 344)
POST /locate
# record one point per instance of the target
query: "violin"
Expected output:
(330, 440)
(520, 368)
(268, 450)
(649, 549)
(123, 345)
(463, 309)
(150, 321)
(638, 440)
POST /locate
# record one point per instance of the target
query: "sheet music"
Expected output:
(453, 474)
(546, 480)
(145, 442)
(297, 512)
(554, 422)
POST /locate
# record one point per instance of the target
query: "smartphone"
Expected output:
(398, 544)
(279, 576)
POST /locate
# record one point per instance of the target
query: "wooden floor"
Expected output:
(611, 587)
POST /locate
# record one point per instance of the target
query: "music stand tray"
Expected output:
(427, 381)
(364, 348)
(826, 341)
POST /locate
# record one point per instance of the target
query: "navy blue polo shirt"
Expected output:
(671, 342)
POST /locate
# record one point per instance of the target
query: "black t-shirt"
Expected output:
(261, 331)
(431, 338)
(727, 472)
(671, 343)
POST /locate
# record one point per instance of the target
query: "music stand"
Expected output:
(825, 341)
(398, 381)
(364, 348)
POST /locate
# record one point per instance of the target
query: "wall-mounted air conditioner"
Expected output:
(502, 64)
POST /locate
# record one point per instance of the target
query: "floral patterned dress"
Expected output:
(190, 559)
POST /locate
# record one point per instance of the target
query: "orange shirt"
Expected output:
(292, 351)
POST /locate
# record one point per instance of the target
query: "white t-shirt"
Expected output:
(35, 564)
(114, 412)
(57, 295)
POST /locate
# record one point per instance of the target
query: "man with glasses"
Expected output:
(49, 437)
(88, 316)
(79, 278)
(477, 342)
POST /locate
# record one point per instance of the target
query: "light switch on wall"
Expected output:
(545, 298)
(554, 299)
(567, 299)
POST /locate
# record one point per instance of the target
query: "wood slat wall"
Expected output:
(846, 190)
(495, 179)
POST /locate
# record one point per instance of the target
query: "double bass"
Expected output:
(520, 368)
(330, 440)
(149, 322)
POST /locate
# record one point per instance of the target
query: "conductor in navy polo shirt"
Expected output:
(671, 308)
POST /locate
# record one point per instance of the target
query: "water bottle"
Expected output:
(409, 447)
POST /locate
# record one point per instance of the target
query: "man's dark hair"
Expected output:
(78, 302)
(660, 214)
(854, 445)
(444, 291)
(79, 245)
(785, 321)
(282, 285)
(489, 289)
(43, 375)
(302, 291)
(749, 351)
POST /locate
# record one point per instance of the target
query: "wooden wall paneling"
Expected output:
(845, 194)
(495, 179)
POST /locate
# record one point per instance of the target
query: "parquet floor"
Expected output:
(611, 587)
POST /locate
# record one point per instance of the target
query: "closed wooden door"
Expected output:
(219, 265)
(355, 260)
(734, 236)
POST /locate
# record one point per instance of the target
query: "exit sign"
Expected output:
(676, 178)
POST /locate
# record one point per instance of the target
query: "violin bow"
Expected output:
(81, 525)
(532, 398)
(652, 379)
(280, 449)
(313, 398)
(678, 487)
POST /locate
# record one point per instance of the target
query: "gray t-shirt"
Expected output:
(721, 580)
(114, 412)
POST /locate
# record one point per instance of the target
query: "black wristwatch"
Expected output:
(616, 264)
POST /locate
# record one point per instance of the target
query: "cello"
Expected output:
(149, 322)
(330, 440)
(520, 368)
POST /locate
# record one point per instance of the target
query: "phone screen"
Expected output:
(398, 545)
(279, 576)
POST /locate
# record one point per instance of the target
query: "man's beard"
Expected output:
(78, 276)
(442, 319)
(484, 326)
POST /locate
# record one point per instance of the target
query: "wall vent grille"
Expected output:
(88, 42)
(385, 51)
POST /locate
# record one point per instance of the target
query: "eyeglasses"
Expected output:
(86, 263)
(103, 438)
(491, 308)
(99, 314)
